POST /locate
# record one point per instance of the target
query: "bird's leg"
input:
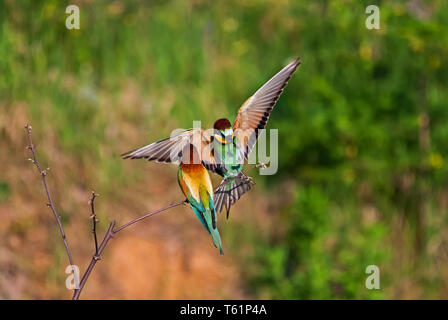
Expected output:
(251, 182)
(258, 165)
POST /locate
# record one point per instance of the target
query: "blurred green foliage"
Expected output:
(5, 191)
(362, 123)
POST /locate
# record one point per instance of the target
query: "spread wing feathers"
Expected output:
(170, 149)
(230, 190)
(254, 113)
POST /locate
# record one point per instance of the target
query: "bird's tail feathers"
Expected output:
(217, 240)
(206, 219)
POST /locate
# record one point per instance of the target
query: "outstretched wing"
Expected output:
(254, 113)
(230, 190)
(169, 150)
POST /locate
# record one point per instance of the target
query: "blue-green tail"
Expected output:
(217, 240)
(205, 216)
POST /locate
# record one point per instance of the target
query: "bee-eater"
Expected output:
(196, 185)
(225, 151)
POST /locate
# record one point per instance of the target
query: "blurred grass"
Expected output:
(362, 124)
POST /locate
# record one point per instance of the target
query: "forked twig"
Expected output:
(111, 231)
(109, 235)
(43, 174)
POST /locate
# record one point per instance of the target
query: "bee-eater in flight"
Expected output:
(225, 151)
(196, 185)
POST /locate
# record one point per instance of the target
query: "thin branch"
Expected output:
(111, 232)
(94, 220)
(43, 174)
(149, 215)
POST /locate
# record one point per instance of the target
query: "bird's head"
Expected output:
(223, 130)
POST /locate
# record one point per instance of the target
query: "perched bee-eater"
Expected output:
(225, 151)
(196, 185)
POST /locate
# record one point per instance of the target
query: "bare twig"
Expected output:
(94, 221)
(43, 174)
(148, 215)
(109, 234)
